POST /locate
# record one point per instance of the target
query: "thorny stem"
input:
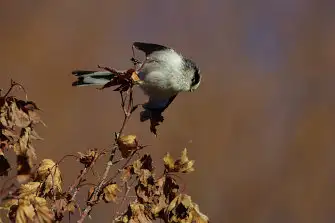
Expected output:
(126, 104)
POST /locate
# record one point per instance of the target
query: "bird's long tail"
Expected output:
(97, 78)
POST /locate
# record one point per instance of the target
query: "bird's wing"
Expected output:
(149, 48)
(155, 105)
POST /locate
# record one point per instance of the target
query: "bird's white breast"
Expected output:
(161, 74)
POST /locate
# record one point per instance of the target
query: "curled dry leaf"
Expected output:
(59, 207)
(31, 188)
(158, 207)
(19, 117)
(136, 213)
(170, 187)
(198, 217)
(9, 135)
(7, 204)
(144, 189)
(135, 78)
(182, 209)
(25, 154)
(182, 165)
(42, 211)
(29, 206)
(127, 144)
(145, 162)
(44, 168)
(30, 209)
(63, 205)
(168, 162)
(109, 193)
(124, 79)
(89, 158)
(49, 174)
(22, 213)
(146, 177)
(5, 119)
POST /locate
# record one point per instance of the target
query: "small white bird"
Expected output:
(164, 74)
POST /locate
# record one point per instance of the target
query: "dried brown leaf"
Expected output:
(178, 209)
(34, 117)
(21, 147)
(146, 177)
(182, 165)
(19, 117)
(23, 168)
(26, 105)
(7, 204)
(170, 187)
(182, 209)
(127, 144)
(10, 134)
(168, 162)
(49, 174)
(198, 217)
(25, 212)
(25, 154)
(43, 213)
(59, 206)
(109, 193)
(135, 214)
(71, 207)
(31, 188)
(160, 206)
(145, 162)
(5, 119)
(185, 165)
(89, 158)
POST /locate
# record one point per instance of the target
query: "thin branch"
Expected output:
(126, 104)
(14, 84)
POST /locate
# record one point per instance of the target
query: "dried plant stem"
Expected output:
(125, 196)
(12, 85)
(127, 107)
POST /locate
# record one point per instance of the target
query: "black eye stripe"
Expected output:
(190, 65)
(196, 77)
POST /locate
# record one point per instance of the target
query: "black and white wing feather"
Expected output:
(149, 48)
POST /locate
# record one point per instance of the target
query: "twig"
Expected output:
(12, 85)
(126, 104)
(125, 196)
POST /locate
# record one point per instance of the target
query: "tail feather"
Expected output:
(86, 77)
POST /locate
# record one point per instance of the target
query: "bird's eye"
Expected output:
(196, 78)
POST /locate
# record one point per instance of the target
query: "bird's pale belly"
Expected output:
(157, 92)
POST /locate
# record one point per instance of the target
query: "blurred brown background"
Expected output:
(261, 126)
